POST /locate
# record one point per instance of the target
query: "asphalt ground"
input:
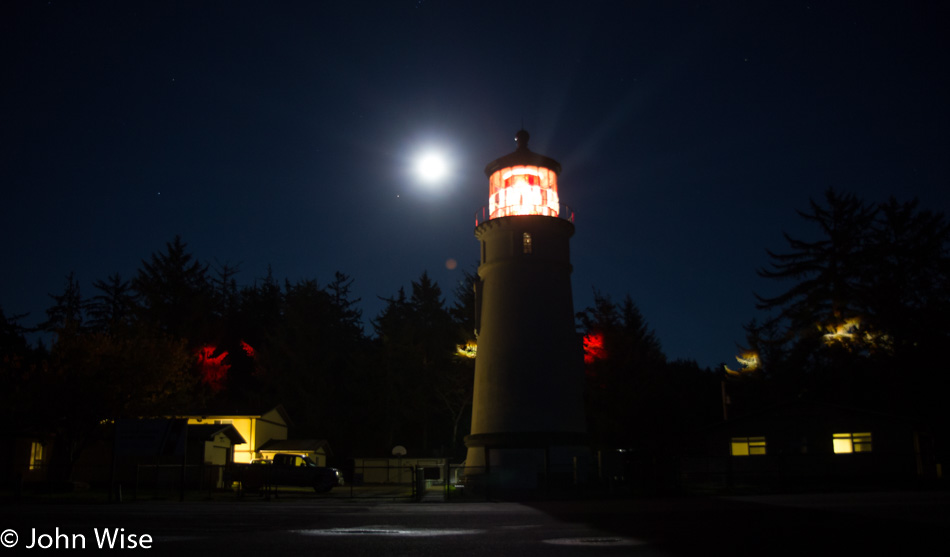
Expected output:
(899, 523)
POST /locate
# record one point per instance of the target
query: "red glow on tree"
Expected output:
(594, 348)
(214, 369)
(248, 349)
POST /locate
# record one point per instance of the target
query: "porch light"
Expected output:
(843, 331)
(748, 360)
(467, 350)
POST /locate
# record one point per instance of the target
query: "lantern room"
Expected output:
(523, 183)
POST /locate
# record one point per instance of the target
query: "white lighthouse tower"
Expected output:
(528, 426)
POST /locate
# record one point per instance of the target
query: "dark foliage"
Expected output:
(133, 348)
(427, 388)
(636, 399)
(867, 315)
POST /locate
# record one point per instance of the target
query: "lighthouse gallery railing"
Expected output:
(565, 213)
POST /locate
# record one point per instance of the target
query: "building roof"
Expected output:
(522, 156)
(296, 445)
(240, 412)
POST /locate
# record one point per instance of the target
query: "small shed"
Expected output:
(212, 447)
(212, 443)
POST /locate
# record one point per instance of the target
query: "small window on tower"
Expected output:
(526, 240)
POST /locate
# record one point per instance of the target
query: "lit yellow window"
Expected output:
(745, 446)
(526, 240)
(36, 456)
(852, 442)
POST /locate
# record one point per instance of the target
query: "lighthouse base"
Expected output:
(526, 464)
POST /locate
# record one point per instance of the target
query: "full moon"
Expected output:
(432, 167)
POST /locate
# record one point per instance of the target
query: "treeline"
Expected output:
(182, 337)
(863, 321)
(863, 315)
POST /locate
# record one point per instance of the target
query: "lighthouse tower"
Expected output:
(528, 426)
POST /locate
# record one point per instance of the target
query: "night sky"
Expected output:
(285, 133)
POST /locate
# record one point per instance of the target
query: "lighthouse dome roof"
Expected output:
(522, 156)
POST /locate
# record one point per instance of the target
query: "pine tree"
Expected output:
(867, 317)
(175, 293)
(66, 316)
(829, 270)
(113, 308)
(626, 385)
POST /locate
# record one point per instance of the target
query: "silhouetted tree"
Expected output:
(829, 270)
(626, 404)
(349, 318)
(260, 309)
(431, 329)
(69, 310)
(455, 390)
(463, 309)
(393, 366)
(298, 350)
(175, 293)
(226, 294)
(908, 288)
(12, 339)
(310, 354)
(113, 309)
(866, 319)
(416, 345)
(93, 377)
(20, 369)
(94, 374)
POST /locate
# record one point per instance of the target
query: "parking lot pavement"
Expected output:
(922, 507)
(766, 525)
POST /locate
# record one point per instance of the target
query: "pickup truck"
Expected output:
(288, 470)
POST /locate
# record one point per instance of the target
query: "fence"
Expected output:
(415, 479)
(803, 471)
(472, 483)
(132, 481)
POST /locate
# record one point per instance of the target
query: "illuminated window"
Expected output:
(36, 456)
(845, 443)
(526, 241)
(745, 446)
